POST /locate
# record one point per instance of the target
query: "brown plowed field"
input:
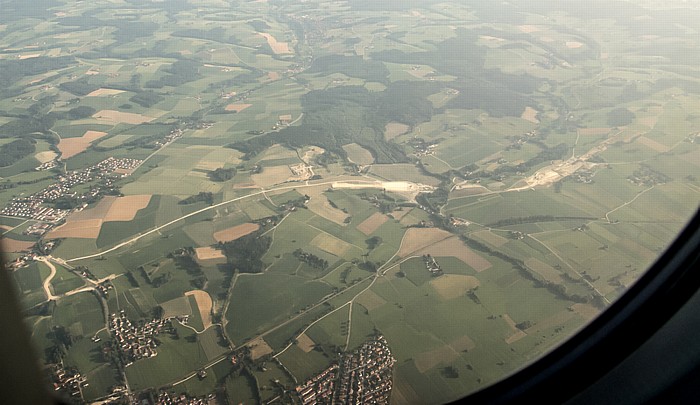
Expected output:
(125, 208)
(454, 247)
(418, 238)
(85, 228)
(235, 232)
(11, 245)
(371, 224)
(237, 107)
(70, 147)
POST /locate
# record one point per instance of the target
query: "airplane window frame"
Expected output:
(614, 335)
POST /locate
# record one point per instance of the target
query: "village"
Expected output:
(361, 377)
(136, 341)
(34, 206)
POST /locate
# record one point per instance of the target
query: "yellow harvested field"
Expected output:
(209, 253)
(70, 147)
(593, 131)
(330, 244)
(370, 300)
(272, 175)
(451, 286)
(399, 213)
(394, 129)
(515, 337)
(85, 228)
(305, 343)
(125, 208)
(587, 311)
(319, 205)
(490, 38)
(235, 232)
(491, 238)
(430, 359)
(277, 47)
(358, 155)
(516, 334)
(462, 343)
(204, 303)
(530, 114)
(418, 238)
(104, 92)
(118, 117)
(237, 107)
(529, 28)
(456, 248)
(259, 348)
(652, 144)
(543, 269)
(45, 156)
(573, 44)
(8, 245)
(273, 75)
(371, 224)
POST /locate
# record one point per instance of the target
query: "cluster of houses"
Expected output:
(432, 265)
(423, 148)
(584, 176)
(166, 398)
(33, 207)
(362, 377)
(68, 381)
(136, 341)
(366, 374)
(320, 388)
(37, 229)
(173, 135)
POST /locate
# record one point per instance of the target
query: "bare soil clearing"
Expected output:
(208, 253)
(235, 232)
(45, 156)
